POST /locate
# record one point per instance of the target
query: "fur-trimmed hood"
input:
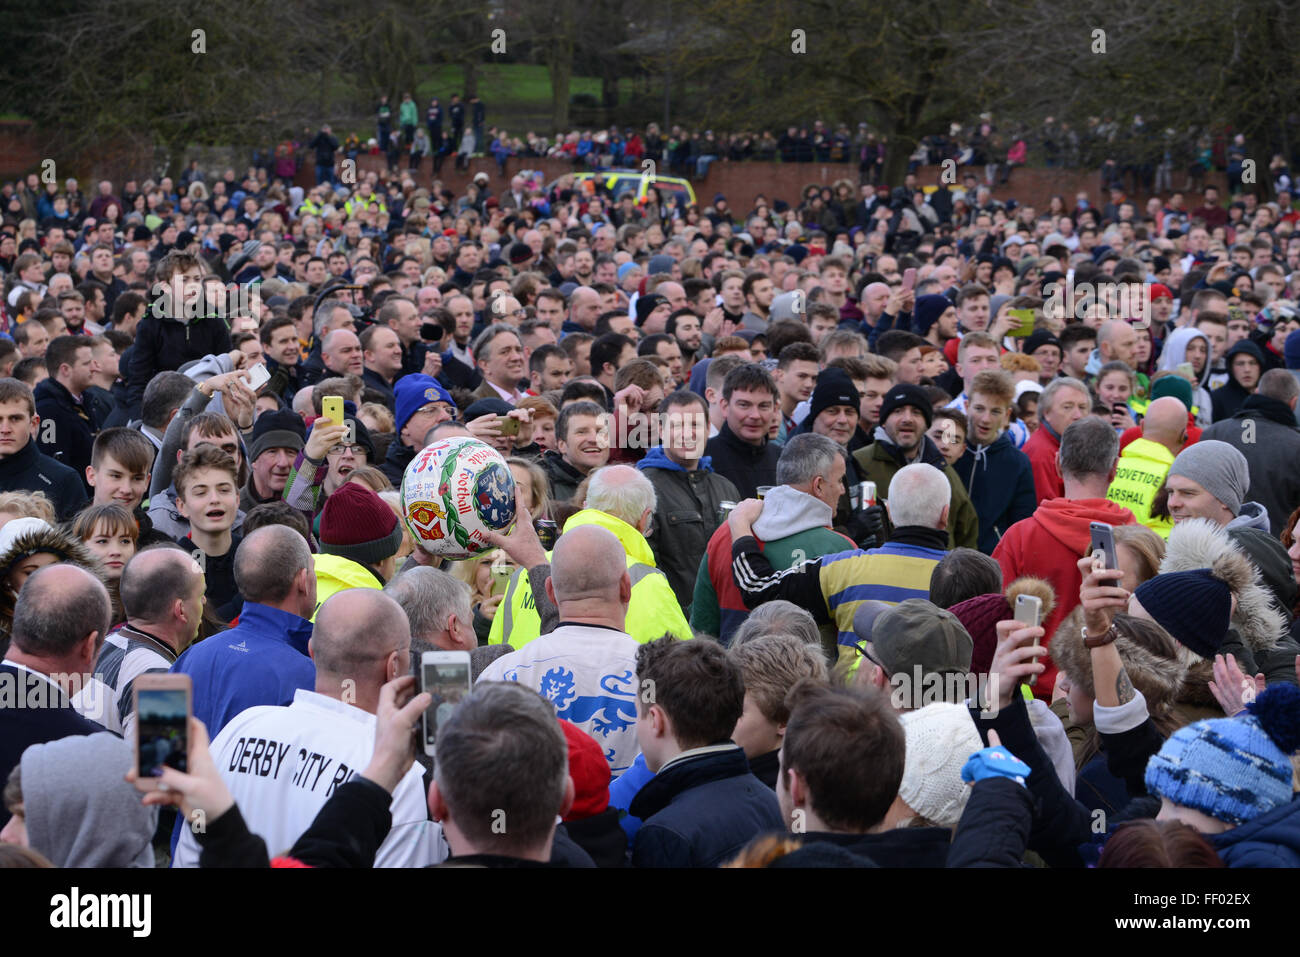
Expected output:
(1201, 543)
(1160, 679)
(52, 539)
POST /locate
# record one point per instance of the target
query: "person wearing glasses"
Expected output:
(331, 453)
(420, 403)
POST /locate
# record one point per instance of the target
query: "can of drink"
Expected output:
(866, 494)
(724, 509)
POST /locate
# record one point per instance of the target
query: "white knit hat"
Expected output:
(940, 737)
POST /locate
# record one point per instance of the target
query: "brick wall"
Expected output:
(741, 182)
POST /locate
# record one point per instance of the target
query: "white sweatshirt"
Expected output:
(282, 764)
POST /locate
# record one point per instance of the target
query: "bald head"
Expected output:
(341, 352)
(1116, 340)
(268, 563)
(357, 631)
(1166, 423)
(302, 402)
(587, 566)
(58, 608)
(154, 580)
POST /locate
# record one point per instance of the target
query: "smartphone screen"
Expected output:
(161, 719)
(448, 682)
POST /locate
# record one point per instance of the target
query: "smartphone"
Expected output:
(1103, 540)
(446, 676)
(258, 376)
(547, 531)
(909, 280)
(509, 426)
(1029, 611)
(1024, 326)
(501, 578)
(1185, 370)
(163, 705)
(332, 408)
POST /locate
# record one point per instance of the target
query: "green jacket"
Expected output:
(879, 461)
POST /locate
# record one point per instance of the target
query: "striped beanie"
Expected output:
(1232, 769)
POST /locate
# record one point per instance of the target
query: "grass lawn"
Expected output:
(517, 95)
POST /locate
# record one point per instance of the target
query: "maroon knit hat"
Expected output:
(981, 615)
(357, 524)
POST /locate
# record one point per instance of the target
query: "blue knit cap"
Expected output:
(1233, 769)
(412, 392)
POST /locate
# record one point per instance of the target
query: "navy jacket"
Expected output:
(702, 810)
(69, 425)
(27, 470)
(32, 711)
(1271, 840)
(747, 466)
(1000, 481)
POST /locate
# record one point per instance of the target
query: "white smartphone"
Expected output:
(163, 705)
(258, 376)
(446, 676)
(1029, 611)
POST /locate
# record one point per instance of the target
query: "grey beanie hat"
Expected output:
(1217, 467)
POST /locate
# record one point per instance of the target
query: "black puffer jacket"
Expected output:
(164, 345)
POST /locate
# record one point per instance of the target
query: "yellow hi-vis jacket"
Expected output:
(1138, 476)
(334, 573)
(652, 612)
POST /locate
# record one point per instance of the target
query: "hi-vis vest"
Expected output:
(1140, 472)
(335, 573)
(652, 612)
(360, 202)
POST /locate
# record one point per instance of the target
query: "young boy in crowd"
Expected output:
(770, 665)
(207, 493)
(703, 804)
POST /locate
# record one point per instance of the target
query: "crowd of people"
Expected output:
(786, 475)
(1134, 156)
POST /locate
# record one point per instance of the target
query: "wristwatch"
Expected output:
(1109, 635)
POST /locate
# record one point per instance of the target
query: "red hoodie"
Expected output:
(1049, 545)
(1041, 449)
